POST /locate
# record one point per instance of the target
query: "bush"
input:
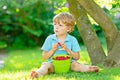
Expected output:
(24, 23)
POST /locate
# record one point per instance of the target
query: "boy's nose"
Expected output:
(56, 27)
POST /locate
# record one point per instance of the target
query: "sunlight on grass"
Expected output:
(116, 78)
(84, 57)
(15, 76)
(23, 59)
(25, 75)
(20, 63)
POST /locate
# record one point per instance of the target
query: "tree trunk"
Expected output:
(113, 58)
(88, 34)
(111, 33)
(108, 27)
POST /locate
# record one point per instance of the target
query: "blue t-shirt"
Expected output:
(70, 41)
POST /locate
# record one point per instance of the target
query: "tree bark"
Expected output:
(88, 34)
(108, 27)
(111, 33)
(113, 58)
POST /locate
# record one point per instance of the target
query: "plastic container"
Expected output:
(61, 63)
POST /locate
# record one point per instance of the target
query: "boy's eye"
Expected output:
(60, 25)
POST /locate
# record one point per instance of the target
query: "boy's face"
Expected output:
(60, 29)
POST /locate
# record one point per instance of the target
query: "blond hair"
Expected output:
(65, 18)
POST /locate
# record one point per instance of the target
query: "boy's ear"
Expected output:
(69, 29)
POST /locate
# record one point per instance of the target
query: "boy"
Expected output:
(63, 24)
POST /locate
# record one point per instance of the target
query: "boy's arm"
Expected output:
(48, 54)
(75, 55)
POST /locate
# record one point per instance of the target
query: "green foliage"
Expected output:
(27, 29)
(27, 23)
(23, 23)
(63, 9)
(22, 41)
(116, 4)
(3, 44)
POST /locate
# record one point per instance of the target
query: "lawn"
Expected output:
(20, 63)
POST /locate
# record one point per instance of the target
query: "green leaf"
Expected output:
(3, 44)
(6, 28)
(62, 9)
(33, 32)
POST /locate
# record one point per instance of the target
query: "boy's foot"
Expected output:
(93, 69)
(33, 74)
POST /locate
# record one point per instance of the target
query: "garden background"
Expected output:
(24, 25)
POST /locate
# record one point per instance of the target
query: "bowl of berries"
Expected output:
(61, 63)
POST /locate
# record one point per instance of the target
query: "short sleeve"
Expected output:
(75, 45)
(47, 44)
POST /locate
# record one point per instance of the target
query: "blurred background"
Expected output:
(26, 23)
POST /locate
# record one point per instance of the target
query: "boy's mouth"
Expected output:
(56, 30)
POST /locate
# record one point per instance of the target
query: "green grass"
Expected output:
(20, 63)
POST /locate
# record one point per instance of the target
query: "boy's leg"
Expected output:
(75, 66)
(45, 68)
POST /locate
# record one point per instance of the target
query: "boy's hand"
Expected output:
(62, 45)
(54, 47)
